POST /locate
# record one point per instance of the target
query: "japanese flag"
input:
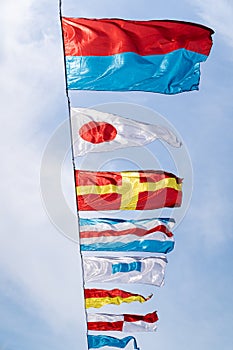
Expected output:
(94, 131)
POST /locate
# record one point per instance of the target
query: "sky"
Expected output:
(41, 289)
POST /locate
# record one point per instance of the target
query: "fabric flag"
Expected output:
(97, 298)
(144, 270)
(127, 190)
(99, 341)
(94, 131)
(126, 55)
(148, 235)
(122, 323)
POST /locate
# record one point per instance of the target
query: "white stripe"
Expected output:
(104, 227)
(139, 326)
(99, 269)
(141, 224)
(104, 318)
(158, 236)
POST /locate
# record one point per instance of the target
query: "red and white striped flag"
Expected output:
(122, 323)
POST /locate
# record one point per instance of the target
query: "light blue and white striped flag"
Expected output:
(146, 235)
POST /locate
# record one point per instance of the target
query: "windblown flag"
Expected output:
(145, 270)
(97, 298)
(122, 323)
(148, 235)
(94, 131)
(99, 341)
(123, 55)
(127, 190)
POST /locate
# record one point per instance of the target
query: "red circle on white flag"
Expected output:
(97, 132)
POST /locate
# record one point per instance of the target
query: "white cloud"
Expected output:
(218, 15)
(43, 264)
(209, 216)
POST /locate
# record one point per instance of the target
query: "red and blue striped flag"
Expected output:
(125, 55)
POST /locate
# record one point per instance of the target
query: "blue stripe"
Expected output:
(171, 73)
(136, 246)
(94, 221)
(99, 341)
(124, 267)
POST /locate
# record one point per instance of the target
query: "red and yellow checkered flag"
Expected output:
(127, 190)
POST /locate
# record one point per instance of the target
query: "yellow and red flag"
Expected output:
(127, 190)
(97, 298)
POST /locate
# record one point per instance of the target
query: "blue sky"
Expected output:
(41, 286)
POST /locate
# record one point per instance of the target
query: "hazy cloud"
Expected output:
(218, 15)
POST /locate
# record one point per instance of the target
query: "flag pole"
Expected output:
(72, 154)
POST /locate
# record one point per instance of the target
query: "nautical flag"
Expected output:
(144, 270)
(146, 235)
(126, 55)
(122, 323)
(97, 298)
(94, 131)
(127, 190)
(99, 341)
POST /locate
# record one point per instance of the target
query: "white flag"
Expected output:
(145, 270)
(94, 131)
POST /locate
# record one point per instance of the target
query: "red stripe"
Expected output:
(167, 197)
(104, 37)
(150, 318)
(102, 293)
(99, 178)
(133, 231)
(105, 326)
(156, 175)
(97, 202)
(161, 228)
